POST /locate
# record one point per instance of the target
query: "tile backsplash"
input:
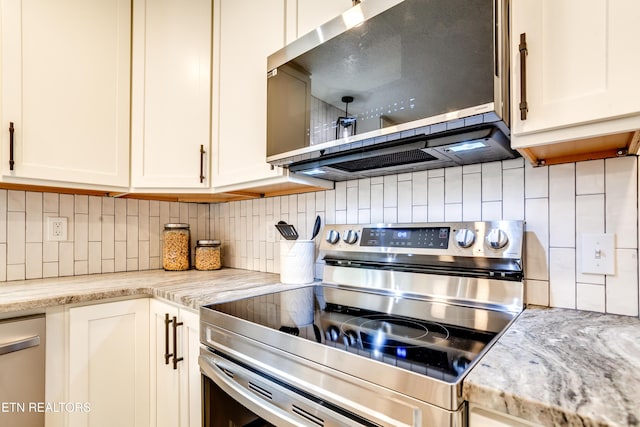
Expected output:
(559, 203)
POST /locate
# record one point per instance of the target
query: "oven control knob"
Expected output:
(465, 237)
(351, 237)
(332, 333)
(332, 237)
(497, 238)
(350, 338)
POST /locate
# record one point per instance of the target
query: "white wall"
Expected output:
(559, 203)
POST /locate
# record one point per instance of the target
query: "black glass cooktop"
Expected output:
(435, 339)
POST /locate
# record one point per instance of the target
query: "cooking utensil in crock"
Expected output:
(287, 231)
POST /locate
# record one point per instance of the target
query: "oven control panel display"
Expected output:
(424, 237)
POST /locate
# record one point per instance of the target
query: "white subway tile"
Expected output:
(590, 297)
(562, 199)
(435, 173)
(419, 184)
(537, 292)
(405, 208)
(453, 185)
(622, 287)
(143, 255)
(352, 205)
(341, 217)
(120, 223)
(589, 219)
(34, 217)
(120, 260)
(536, 181)
(174, 211)
(109, 206)
(3, 261)
(3, 218)
(420, 214)
(513, 194)
(95, 257)
(33, 265)
(143, 221)
(513, 163)
(184, 213)
(352, 183)
(15, 272)
(132, 236)
(81, 204)
(562, 280)
(50, 252)
(537, 240)
(436, 199)
(453, 212)
(133, 264)
(491, 182)
(49, 269)
(95, 219)
(341, 196)
(377, 180)
(472, 197)
(15, 237)
(590, 177)
(390, 191)
(491, 211)
(66, 262)
(108, 237)
(81, 241)
(330, 207)
(621, 183)
(364, 193)
(16, 201)
(405, 176)
(154, 207)
(377, 202)
(364, 216)
(50, 205)
(477, 168)
(390, 215)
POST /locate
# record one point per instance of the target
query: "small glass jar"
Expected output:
(208, 255)
(176, 247)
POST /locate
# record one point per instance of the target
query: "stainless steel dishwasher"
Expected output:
(22, 371)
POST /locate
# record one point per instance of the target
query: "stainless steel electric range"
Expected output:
(404, 311)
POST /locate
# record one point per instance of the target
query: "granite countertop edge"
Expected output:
(190, 289)
(567, 367)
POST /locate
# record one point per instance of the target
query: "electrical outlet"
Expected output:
(56, 228)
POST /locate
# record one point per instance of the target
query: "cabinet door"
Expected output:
(175, 393)
(171, 101)
(65, 88)
(190, 381)
(165, 381)
(247, 32)
(109, 363)
(579, 68)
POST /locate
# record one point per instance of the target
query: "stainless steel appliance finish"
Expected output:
(22, 363)
(392, 86)
(403, 313)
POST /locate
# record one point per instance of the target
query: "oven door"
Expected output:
(236, 395)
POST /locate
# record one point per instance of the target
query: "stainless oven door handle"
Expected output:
(270, 401)
(222, 373)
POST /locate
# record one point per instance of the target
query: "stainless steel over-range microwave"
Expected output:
(392, 86)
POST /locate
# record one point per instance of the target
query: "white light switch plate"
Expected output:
(598, 254)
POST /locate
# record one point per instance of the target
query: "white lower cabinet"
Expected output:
(175, 375)
(109, 364)
(483, 417)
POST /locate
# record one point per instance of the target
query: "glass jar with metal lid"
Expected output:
(208, 255)
(176, 248)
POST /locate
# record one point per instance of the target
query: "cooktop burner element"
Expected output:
(404, 312)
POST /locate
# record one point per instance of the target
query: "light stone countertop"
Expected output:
(559, 367)
(189, 288)
(552, 367)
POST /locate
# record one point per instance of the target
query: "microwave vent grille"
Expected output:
(384, 161)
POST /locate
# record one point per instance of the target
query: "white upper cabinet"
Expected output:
(65, 88)
(246, 32)
(171, 94)
(581, 69)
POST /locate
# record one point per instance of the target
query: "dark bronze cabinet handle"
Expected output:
(176, 359)
(11, 161)
(167, 355)
(202, 163)
(522, 47)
